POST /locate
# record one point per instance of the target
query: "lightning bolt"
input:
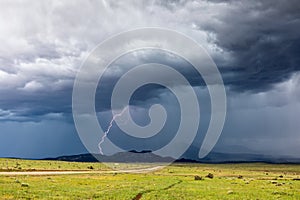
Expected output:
(109, 127)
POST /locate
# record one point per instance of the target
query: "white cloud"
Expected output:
(32, 86)
(64, 30)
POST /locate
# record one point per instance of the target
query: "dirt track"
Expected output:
(41, 173)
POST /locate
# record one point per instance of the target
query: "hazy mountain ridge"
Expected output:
(147, 156)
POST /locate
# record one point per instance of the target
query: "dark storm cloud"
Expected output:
(148, 94)
(35, 106)
(263, 38)
(255, 45)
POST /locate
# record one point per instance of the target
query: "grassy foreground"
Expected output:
(230, 181)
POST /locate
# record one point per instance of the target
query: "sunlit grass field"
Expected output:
(177, 181)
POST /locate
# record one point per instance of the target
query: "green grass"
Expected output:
(231, 181)
(44, 165)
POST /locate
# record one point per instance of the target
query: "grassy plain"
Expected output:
(177, 181)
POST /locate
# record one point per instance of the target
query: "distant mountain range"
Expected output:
(123, 157)
(148, 156)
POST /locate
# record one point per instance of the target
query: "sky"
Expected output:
(255, 45)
